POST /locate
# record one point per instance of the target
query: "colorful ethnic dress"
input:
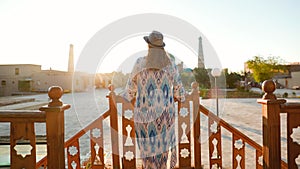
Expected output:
(154, 113)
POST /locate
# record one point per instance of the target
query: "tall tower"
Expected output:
(200, 55)
(71, 60)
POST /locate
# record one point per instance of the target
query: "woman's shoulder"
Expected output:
(139, 65)
(140, 59)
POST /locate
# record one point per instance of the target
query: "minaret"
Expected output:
(71, 60)
(200, 55)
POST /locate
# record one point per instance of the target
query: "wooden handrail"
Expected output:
(20, 115)
(290, 108)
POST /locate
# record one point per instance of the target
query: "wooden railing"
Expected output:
(190, 128)
(22, 133)
(194, 121)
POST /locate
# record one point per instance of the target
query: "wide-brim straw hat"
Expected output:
(155, 39)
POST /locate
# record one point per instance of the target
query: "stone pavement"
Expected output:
(23, 102)
(4, 101)
(280, 92)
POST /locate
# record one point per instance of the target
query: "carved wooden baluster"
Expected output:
(20, 132)
(238, 149)
(97, 161)
(73, 155)
(215, 153)
(96, 140)
(184, 138)
(259, 159)
(128, 141)
(129, 151)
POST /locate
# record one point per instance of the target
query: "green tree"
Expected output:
(202, 77)
(232, 79)
(187, 78)
(264, 69)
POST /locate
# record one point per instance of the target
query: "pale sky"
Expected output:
(40, 32)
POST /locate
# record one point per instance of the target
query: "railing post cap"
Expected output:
(194, 85)
(111, 87)
(269, 86)
(55, 93)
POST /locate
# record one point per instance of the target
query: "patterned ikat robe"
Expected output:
(154, 113)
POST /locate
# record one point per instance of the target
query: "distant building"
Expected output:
(16, 78)
(25, 78)
(292, 79)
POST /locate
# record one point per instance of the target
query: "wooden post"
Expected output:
(55, 128)
(271, 126)
(196, 126)
(114, 127)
